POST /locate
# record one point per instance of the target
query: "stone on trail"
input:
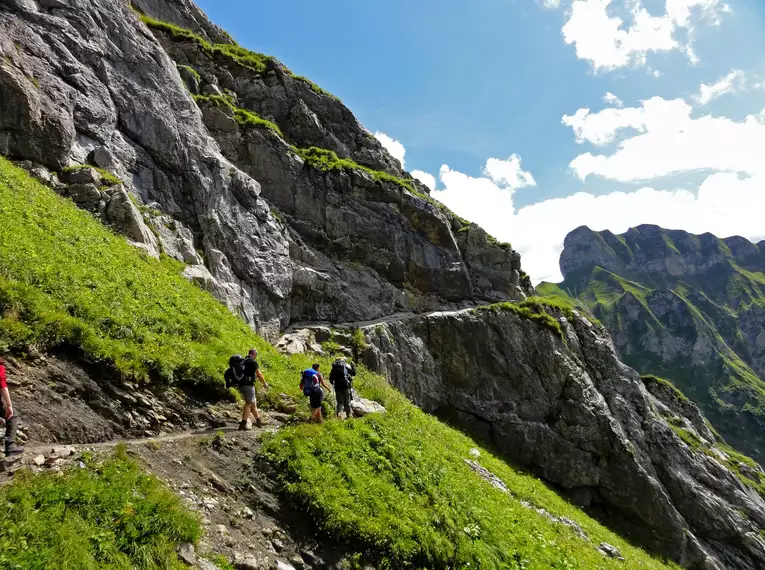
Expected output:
(187, 554)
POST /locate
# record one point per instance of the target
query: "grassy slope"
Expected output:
(394, 484)
(108, 516)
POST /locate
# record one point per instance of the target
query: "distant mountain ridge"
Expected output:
(687, 307)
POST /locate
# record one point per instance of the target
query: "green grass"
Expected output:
(327, 161)
(253, 61)
(649, 379)
(396, 487)
(241, 116)
(106, 176)
(190, 70)
(528, 311)
(108, 516)
(66, 280)
(687, 436)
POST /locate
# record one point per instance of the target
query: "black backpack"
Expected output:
(235, 371)
(338, 376)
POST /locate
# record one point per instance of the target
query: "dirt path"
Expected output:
(222, 478)
(32, 451)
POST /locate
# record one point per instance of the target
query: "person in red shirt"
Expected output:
(11, 418)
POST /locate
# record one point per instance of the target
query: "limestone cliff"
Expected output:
(686, 307)
(274, 232)
(554, 398)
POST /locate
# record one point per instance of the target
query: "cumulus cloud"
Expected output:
(725, 205)
(607, 42)
(612, 99)
(731, 83)
(427, 179)
(394, 147)
(668, 141)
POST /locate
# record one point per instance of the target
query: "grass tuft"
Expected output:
(241, 116)
(109, 178)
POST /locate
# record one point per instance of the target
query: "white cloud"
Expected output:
(668, 141)
(394, 147)
(551, 4)
(508, 172)
(603, 39)
(612, 99)
(732, 82)
(725, 205)
(427, 179)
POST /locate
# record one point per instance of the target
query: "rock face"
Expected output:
(351, 243)
(569, 410)
(689, 308)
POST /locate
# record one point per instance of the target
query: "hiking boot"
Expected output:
(13, 450)
(259, 422)
(243, 426)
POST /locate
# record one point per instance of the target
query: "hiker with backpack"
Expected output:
(242, 373)
(312, 385)
(341, 377)
(10, 416)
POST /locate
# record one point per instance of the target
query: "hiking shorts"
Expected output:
(248, 393)
(317, 396)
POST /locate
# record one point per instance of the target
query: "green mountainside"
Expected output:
(685, 307)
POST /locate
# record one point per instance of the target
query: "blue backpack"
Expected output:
(308, 381)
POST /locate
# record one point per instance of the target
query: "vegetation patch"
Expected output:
(529, 311)
(397, 488)
(190, 70)
(108, 515)
(106, 176)
(650, 381)
(66, 280)
(253, 61)
(241, 116)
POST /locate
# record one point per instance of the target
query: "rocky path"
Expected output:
(40, 456)
(219, 474)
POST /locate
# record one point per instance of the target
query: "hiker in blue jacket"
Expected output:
(312, 384)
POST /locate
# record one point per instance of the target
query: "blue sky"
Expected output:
(459, 83)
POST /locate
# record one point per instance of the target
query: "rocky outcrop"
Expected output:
(70, 93)
(569, 410)
(352, 243)
(689, 308)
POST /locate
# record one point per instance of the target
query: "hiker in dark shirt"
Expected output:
(10, 416)
(247, 389)
(341, 377)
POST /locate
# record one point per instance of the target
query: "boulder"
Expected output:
(362, 407)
